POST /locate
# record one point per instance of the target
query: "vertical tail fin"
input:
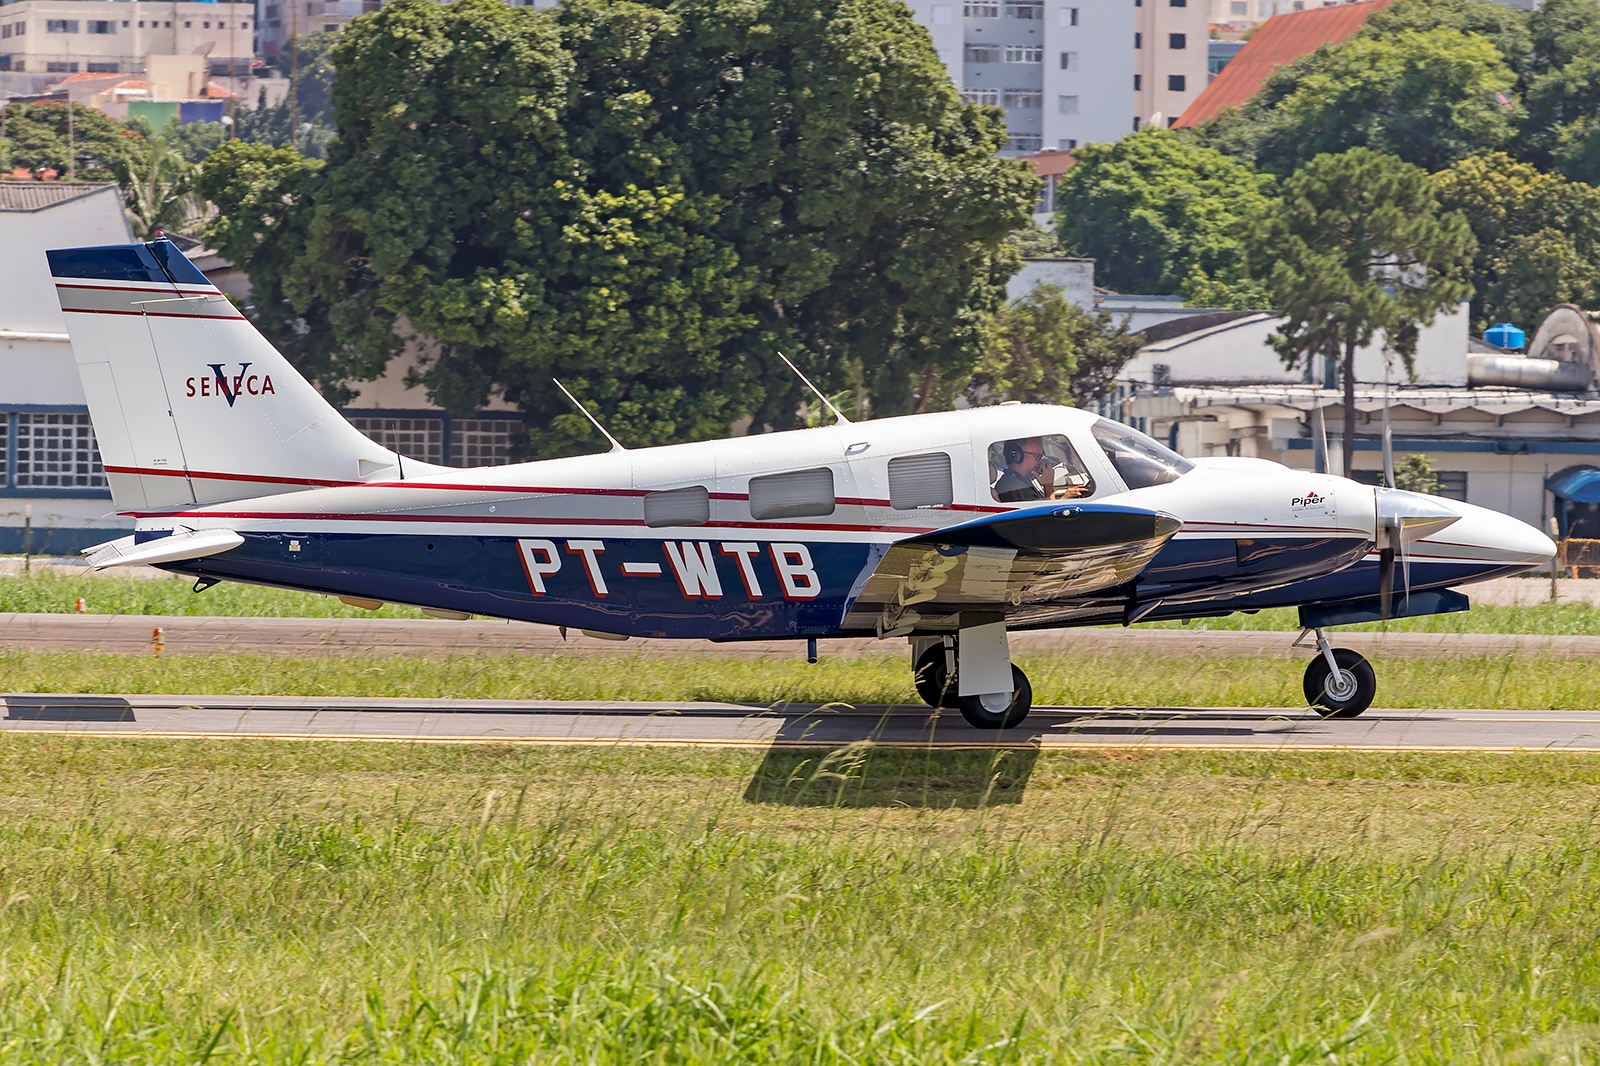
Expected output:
(190, 403)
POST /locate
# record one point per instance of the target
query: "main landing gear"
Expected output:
(1339, 683)
(983, 649)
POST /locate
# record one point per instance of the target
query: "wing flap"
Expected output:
(1055, 554)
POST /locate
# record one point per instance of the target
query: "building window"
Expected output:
(102, 26)
(414, 438)
(1172, 120)
(1239, 7)
(1452, 485)
(1066, 144)
(1138, 82)
(188, 25)
(1025, 98)
(1177, 83)
(1069, 16)
(1025, 9)
(981, 53)
(141, 24)
(981, 9)
(482, 441)
(1136, 123)
(103, 68)
(941, 14)
(985, 97)
(1177, 40)
(1069, 61)
(5, 31)
(124, 23)
(60, 68)
(57, 451)
(61, 25)
(22, 28)
(1138, 40)
(1024, 53)
(1024, 142)
(166, 25)
(1068, 105)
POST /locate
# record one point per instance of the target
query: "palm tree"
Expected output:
(159, 195)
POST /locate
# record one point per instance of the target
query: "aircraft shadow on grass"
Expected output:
(866, 775)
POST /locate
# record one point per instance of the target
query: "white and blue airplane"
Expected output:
(949, 529)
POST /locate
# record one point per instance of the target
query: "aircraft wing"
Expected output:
(1025, 559)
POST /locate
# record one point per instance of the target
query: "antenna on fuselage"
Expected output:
(616, 445)
(843, 421)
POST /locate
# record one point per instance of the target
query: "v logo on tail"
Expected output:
(222, 381)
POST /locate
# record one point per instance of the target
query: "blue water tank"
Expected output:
(1505, 335)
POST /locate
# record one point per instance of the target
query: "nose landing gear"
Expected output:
(1339, 683)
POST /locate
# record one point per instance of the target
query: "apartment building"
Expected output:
(282, 20)
(1170, 50)
(82, 36)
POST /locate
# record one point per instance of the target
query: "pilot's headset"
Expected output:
(1013, 452)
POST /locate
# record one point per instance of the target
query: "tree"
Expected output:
(1506, 27)
(1152, 207)
(1245, 294)
(1538, 237)
(312, 108)
(1033, 241)
(38, 137)
(1415, 473)
(1428, 97)
(1031, 356)
(1355, 247)
(159, 195)
(646, 202)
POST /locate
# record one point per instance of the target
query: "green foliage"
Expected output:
(37, 137)
(1031, 356)
(1538, 237)
(1245, 294)
(1355, 247)
(313, 75)
(47, 592)
(1416, 473)
(194, 141)
(158, 195)
(1035, 242)
(1504, 25)
(646, 202)
(1152, 207)
(1427, 97)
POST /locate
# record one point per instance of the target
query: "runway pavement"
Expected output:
(749, 726)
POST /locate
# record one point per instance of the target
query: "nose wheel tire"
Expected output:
(1342, 695)
(935, 684)
(998, 710)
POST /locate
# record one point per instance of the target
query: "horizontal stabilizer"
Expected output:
(180, 546)
(1033, 558)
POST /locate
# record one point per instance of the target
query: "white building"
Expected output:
(1170, 53)
(1061, 69)
(50, 461)
(103, 36)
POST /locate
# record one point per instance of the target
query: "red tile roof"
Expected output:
(1049, 163)
(1281, 39)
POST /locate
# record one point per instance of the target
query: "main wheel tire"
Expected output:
(935, 684)
(1343, 697)
(980, 714)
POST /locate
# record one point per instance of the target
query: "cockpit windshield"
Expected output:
(1141, 461)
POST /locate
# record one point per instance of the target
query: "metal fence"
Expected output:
(1580, 558)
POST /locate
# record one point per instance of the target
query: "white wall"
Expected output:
(1103, 81)
(1239, 352)
(1075, 276)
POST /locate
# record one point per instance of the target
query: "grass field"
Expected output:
(1504, 681)
(251, 902)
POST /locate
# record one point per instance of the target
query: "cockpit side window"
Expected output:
(1027, 469)
(1140, 461)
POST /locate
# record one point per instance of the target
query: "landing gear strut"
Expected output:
(938, 682)
(1339, 683)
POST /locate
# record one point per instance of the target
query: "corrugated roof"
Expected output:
(1281, 39)
(38, 195)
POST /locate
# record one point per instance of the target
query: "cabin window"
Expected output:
(1030, 469)
(921, 481)
(801, 494)
(678, 507)
(1141, 461)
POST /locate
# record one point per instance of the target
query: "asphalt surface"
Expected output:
(307, 637)
(749, 726)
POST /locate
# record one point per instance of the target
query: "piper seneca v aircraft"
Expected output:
(950, 529)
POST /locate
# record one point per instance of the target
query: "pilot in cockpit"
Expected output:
(1030, 472)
